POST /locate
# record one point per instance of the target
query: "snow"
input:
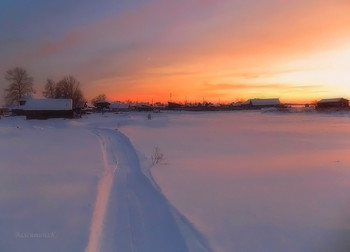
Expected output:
(48, 176)
(47, 104)
(256, 182)
(230, 181)
(139, 216)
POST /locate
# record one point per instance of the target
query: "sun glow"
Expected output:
(301, 78)
(313, 76)
(330, 69)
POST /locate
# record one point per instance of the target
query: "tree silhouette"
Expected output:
(50, 89)
(21, 84)
(68, 88)
(99, 98)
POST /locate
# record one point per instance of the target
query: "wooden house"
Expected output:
(46, 108)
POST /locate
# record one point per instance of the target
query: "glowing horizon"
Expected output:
(194, 50)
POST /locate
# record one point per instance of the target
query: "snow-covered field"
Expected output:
(230, 181)
(48, 176)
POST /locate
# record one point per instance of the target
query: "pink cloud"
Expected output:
(69, 40)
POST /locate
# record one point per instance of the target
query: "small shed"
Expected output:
(47, 108)
(4, 111)
(102, 105)
(332, 103)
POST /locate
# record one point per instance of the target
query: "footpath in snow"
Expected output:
(131, 214)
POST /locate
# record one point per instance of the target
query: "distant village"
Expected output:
(34, 108)
(64, 99)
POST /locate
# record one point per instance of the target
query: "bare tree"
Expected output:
(68, 88)
(157, 157)
(21, 84)
(49, 89)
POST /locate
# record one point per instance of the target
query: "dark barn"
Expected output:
(47, 114)
(336, 103)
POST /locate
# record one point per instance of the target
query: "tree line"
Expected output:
(21, 85)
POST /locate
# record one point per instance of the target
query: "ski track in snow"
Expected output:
(131, 214)
(103, 192)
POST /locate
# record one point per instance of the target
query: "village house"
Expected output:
(119, 107)
(143, 106)
(45, 108)
(335, 103)
(261, 103)
(174, 106)
(236, 106)
(159, 106)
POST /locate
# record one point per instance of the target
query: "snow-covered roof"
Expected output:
(237, 104)
(263, 102)
(47, 104)
(118, 105)
(331, 100)
(102, 101)
(159, 105)
(142, 104)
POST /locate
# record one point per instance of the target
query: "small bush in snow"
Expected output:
(149, 116)
(157, 157)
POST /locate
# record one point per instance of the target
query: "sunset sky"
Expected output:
(217, 50)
